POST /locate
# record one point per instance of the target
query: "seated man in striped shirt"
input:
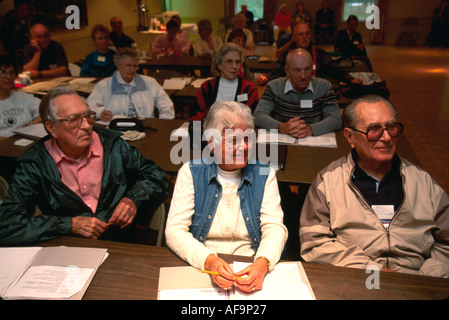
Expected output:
(299, 105)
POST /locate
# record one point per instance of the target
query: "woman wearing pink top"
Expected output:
(282, 22)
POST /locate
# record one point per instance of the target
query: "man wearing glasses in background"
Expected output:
(373, 208)
(84, 180)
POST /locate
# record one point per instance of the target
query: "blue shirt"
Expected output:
(208, 193)
(97, 64)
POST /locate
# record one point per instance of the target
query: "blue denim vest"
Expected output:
(208, 193)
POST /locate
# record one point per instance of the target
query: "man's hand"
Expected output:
(357, 81)
(88, 227)
(295, 127)
(36, 47)
(261, 80)
(124, 213)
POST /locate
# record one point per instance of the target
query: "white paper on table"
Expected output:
(327, 140)
(50, 282)
(32, 131)
(174, 84)
(115, 116)
(182, 131)
(82, 80)
(12, 263)
(198, 82)
(284, 282)
(193, 294)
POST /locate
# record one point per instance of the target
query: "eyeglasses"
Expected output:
(375, 132)
(233, 140)
(75, 120)
(231, 62)
(5, 73)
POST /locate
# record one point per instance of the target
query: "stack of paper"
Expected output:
(287, 281)
(33, 131)
(175, 83)
(48, 273)
(327, 140)
(198, 82)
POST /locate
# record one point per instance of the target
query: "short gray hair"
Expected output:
(349, 116)
(224, 49)
(47, 107)
(227, 114)
(125, 52)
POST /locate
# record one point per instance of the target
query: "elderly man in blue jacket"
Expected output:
(85, 180)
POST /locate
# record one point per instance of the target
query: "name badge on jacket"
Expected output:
(307, 104)
(242, 97)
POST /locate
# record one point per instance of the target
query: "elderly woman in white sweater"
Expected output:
(228, 203)
(128, 94)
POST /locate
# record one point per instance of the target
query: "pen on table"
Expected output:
(215, 273)
(151, 128)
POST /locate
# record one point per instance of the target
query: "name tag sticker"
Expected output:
(356, 42)
(384, 212)
(242, 97)
(307, 104)
(101, 58)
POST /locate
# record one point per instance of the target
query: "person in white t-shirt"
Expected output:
(17, 108)
(207, 44)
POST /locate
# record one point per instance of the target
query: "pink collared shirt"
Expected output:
(82, 176)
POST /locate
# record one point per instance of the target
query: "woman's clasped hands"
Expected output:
(248, 280)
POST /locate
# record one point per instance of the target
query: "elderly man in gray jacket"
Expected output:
(373, 209)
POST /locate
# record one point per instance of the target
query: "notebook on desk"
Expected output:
(288, 281)
(35, 131)
(61, 273)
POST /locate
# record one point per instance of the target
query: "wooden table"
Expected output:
(132, 272)
(190, 63)
(183, 64)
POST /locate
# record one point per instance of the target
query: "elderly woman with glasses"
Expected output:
(87, 181)
(227, 203)
(128, 94)
(17, 108)
(228, 85)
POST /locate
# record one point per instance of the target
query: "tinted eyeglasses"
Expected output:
(375, 132)
(75, 120)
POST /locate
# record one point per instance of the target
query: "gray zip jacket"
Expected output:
(338, 227)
